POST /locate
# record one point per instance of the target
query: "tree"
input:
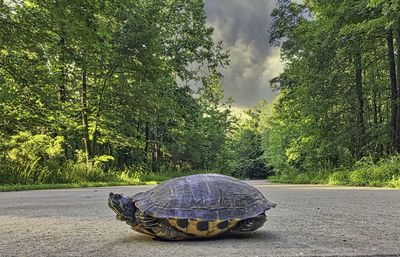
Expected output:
(112, 79)
(333, 104)
(247, 145)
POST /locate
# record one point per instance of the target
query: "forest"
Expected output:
(124, 92)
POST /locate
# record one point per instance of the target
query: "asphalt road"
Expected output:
(309, 221)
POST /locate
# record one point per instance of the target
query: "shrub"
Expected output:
(251, 168)
(25, 148)
(339, 178)
(376, 174)
(395, 182)
(359, 177)
(103, 160)
(386, 172)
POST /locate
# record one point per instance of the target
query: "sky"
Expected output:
(243, 27)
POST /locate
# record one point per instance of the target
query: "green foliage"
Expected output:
(94, 91)
(164, 175)
(386, 173)
(103, 160)
(20, 187)
(330, 122)
(80, 174)
(91, 88)
(24, 148)
(339, 178)
(247, 146)
(376, 174)
(251, 168)
(395, 182)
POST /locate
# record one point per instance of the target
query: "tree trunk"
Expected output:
(154, 153)
(375, 108)
(393, 87)
(360, 102)
(146, 141)
(375, 100)
(381, 115)
(154, 158)
(85, 122)
(98, 109)
(62, 91)
(63, 70)
(398, 87)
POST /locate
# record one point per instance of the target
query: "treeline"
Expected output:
(108, 84)
(339, 102)
(105, 91)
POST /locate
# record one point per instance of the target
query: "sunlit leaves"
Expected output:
(314, 124)
(130, 54)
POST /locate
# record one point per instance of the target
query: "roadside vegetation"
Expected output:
(106, 92)
(124, 178)
(337, 117)
(100, 93)
(384, 173)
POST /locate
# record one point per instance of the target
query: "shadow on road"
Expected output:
(255, 236)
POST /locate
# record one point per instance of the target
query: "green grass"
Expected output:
(385, 173)
(393, 183)
(19, 187)
(78, 175)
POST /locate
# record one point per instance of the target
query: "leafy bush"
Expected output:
(25, 148)
(395, 182)
(359, 177)
(103, 160)
(382, 173)
(251, 168)
(386, 172)
(339, 178)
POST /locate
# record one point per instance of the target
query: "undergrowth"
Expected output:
(72, 175)
(385, 173)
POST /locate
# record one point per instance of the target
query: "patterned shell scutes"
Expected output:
(206, 197)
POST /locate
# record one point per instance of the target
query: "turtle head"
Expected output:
(123, 207)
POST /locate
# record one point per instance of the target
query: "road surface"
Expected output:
(309, 221)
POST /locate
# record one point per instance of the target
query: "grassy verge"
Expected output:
(19, 187)
(122, 179)
(332, 180)
(385, 173)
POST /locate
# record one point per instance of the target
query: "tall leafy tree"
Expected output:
(113, 80)
(334, 106)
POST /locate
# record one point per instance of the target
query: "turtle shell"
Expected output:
(206, 197)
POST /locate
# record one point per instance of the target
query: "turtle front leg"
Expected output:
(250, 224)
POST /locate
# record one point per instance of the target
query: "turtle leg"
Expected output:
(166, 231)
(158, 227)
(250, 224)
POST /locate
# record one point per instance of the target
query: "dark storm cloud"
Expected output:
(243, 26)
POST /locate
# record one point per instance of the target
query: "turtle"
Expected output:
(195, 206)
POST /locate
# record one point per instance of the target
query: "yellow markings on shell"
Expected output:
(212, 230)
